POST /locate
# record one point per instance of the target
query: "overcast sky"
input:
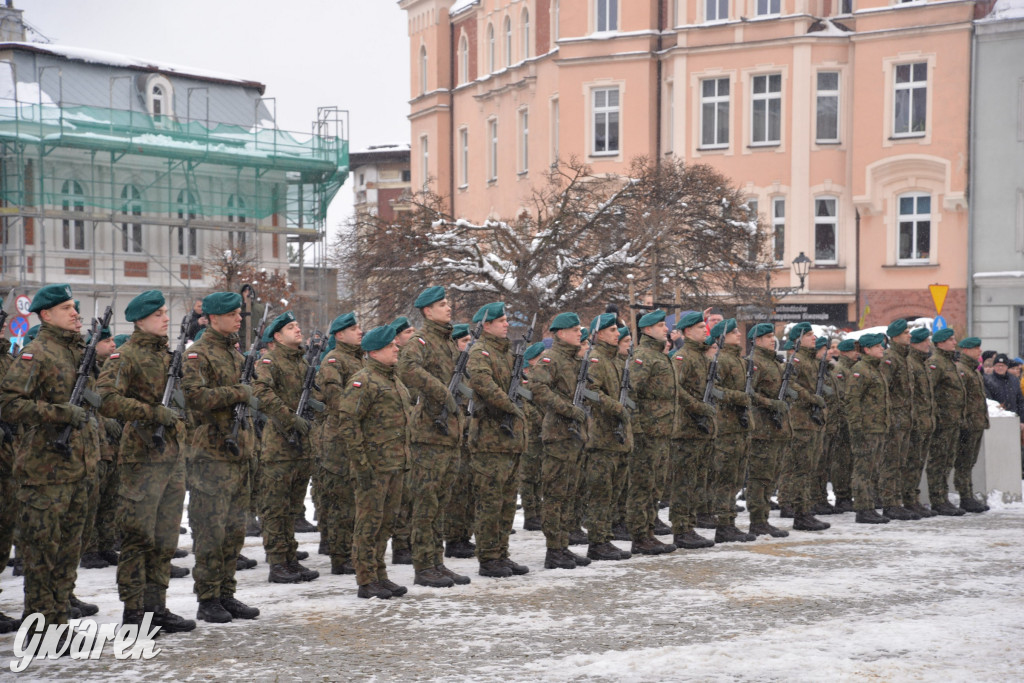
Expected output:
(350, 53)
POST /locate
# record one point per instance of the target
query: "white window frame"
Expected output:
(909, 87)
(236, 208)
(131, 233)
(779, 221)
(492, 49)
(606, 16)
(717, 5)
(425, 160)
(764, 8)
(187, 204)
(556, 21)
(823, 95)
(715, 101)
(492, 150)
(597, 113)
(670, 117)
(463, 158)
(463, 59)
(524, 32)
(507, 31)
(555, 140)
(160, 98)
(73, 234)
(768, 98)
(524, 140)
(833, 221)
(915, 219)
(754, 209)
(423, 69)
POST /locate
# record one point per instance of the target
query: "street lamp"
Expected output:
(801, 264)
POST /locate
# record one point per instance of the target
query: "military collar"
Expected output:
(901, 349)
(225, 340)
(287, 352)
(354, 350)
(766, 354)
(845, 362)
(377, 366)
(731, 350)
(66, 337)
(500, 343)
(922, 354)
(699, 347)
(871, 360)
(606, 350)
(944, 353)
(442, 330)
(807, 353)
(146, 339)
(564, 348)
(649, 342)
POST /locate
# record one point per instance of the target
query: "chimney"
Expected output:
(12, 28)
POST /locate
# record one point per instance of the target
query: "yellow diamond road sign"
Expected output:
(938, 296)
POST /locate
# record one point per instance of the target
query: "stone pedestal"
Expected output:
(999, 465)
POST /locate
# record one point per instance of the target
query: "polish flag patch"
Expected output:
(422, 340)
(357, 384)
(856, 374)
(116, 354)
(267, 361)
(545, 360)
(485, 354)
(595, 360)
(888, 362)
(933, 367)
(638, 361)
(678, 357)
(28, 356)
(332, 360)
(191, 356)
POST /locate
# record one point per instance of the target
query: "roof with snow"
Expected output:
(460, 6)
(1006, 9)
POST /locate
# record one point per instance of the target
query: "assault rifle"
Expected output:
(172, 392)
(817, 415)
(748, 389)
(457, 384)
(582, 392)
(81, 393)
(787, 372)
(709, 388)
(516, 392)
(624, 399)
(307, 404)
(241, 420)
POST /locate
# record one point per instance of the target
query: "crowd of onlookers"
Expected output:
(1003, 382)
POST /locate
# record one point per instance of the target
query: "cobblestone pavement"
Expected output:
(933, 599)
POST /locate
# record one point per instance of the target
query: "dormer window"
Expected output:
(159, 98)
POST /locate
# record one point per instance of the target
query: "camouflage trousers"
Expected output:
(942, 454)
(8, 515)
(495, 479)
(841, 456)
(868, 451)
(560, 473)
(530, 478)
(731, 453)
(152, 496)
(765, 456)
(913, 467)
(337, 511)
(461, 508)
(642, 492)
(890, 474)
(579, 502)
(401, 538)
(622, 497)
(376, 509)
(966, 457)
(283, 484)
(605, 468)
(218, 501)
(254, 481)
(796, 471)
(691, 461)
(430, 479)
(102, 533)
(50, 523)
(663, 474)
(823, 470)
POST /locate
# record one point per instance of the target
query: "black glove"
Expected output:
(165, 416)
(300, 424)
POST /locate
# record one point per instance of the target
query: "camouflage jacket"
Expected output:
(426, 365)
(690, 365)
(803, 381)
(924, 398)
(278, 385)
(35, 386)
(947, 388)
(336, 369)
(840, 377)
(553, 383)
(107, 444)
(767, 383)
(534, 419)
(833, 399)
(131, 388)
(606, 380)
(6, 449)
(374, 427)
(867, 398)
(212, 370)
(975, 404)
(654, 390)
(732, 380)
(490, 373)
(897, 373)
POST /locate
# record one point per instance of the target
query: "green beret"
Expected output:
(342, 322)
(33, 332)
(49, 296)
(199, 334)
(624, 332)
(489, 312)
(652, 318)
(820, 342)
(969, 343)
(788, 346)
(869, 340)
(919, 335)
(276, 324)
(430, 295)
(221, 303)
(564, 321)
(460, 330)
(799, 330)
(689, 320)
(143, 305)
(604, 321)
(78, 308)
(267, 338)
(942, 335)
(400, 324)
(104, 334)
(120, 338)
(848, 345)
(723, 327)
(896, 328)
(760, 330)
(377, 338)
(584, 334)
(332, 344)
(533, 350)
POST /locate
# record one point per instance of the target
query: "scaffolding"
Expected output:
(152, 183)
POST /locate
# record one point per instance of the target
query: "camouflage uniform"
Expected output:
(834, 420)
(553, 383)
(607, 457)
(460, 512)
(219, 486)
(284, 468)
(840, 452)
(732, 444)
(530, 479)
(972, 429)
(53, 489)
(495, 455)
(950, 398)
(923, 421)
(653, 421)
(693, 449)
(426, 365)
(769, 440)
(866, 404)
(8, 485)
(799, 462)
(337, 491)
(375, 411)
(897, 444)
(152, 481)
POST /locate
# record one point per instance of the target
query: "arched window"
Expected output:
(159, 98)
(236, 214)
(463, 59)
(508, 41)
(187, 236)
(158, 101)
(73, 231)
(131, 233)
(491, 49)
(423, 69)
(525, 28)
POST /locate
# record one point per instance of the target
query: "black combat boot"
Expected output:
(580, 560)
(252, 526)
(133, 616)
(179, 553)
(396, 590)
(648, 546)
(620, 532)
(606, 551)
(787, 512)
(806, 522)
(461, 579)
(967, 503)
(93, 561)
(17, 566)
(462, 549)
(432, 578)
(87, 609)
(691, 540)
(249, 562)
(517, 569)
(730, 534)
(844, 505)
(110, 556)
(823, 509)
(304, 573)
(322, 548)
(923, 511)
(339, 565)
(304, 527)
(870, 517)
(6, 623)
(282, 573)
(766, 529)
(706, 521)
(238, 609)
(169, 622)
(897, 513)
(660, 528)
(909, 509)
(947, 509)
(374, 590)
(495, 569)
(401, 556)
(301, 555)
(578, 537)
(179, 572)
(556, 558)
(532, 524)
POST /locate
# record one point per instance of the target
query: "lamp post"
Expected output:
(801, 264)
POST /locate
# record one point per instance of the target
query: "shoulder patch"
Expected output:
(422, 340)
(839, 375)
(191, 356)
(267, 361)
(638, 361)
(28, 356)
(485, 353)
(595, 360)
(856, 374)
(332, 360)
(545, 360)
(796, 360)
(678, 357)
(888, 362)
(524, 381)
(116, 354)
(357, 384)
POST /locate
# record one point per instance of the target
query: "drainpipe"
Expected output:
(971, 132)
(451, 113)
(856, 273)
(657, 87)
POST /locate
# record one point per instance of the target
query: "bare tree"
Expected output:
(233, 266)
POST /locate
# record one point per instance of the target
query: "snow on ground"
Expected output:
(937, 599)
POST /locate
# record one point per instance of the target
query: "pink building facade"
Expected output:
(845, 121)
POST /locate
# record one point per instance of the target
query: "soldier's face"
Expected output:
(155, 323)
(765, 341)
(227, 323)
(624, 345)
(695, 332)
(439, 311)
(388, 355)
(63, 316)
(875, 351)
(350, 335)
(105, 348)
(497, 327)
(463, 342)
(290, 335)
(570, 336)
(405, 335)
(734, 338)
(584, 345)
(973, 354)
(948, 345)
(609, 335)
(808, 340)
(902, 338)
(658, 331)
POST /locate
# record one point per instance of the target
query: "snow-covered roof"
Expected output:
(460, 5)
(1006, 9)
(91, 56)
